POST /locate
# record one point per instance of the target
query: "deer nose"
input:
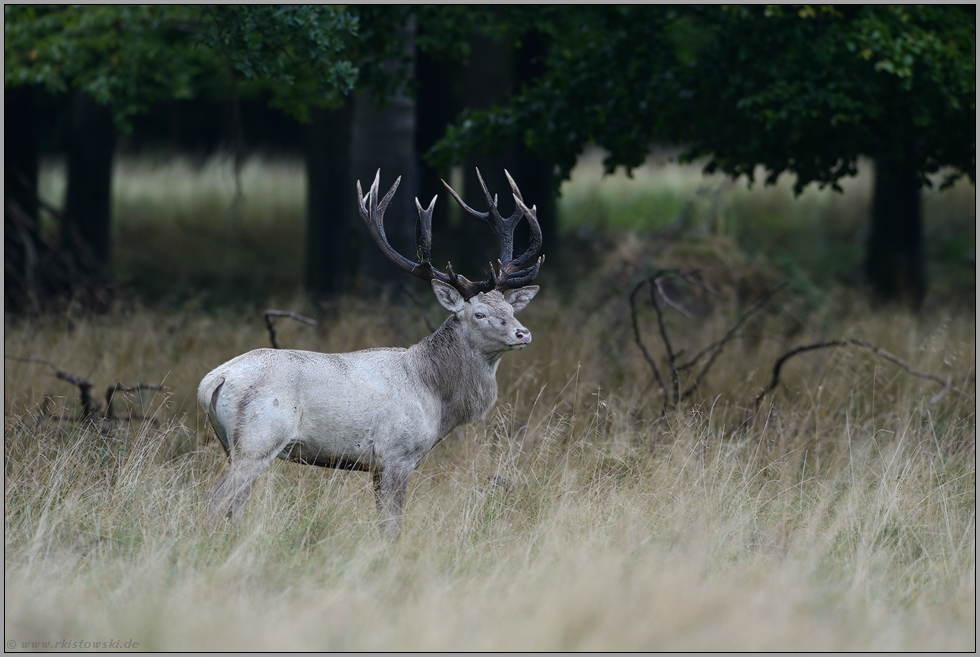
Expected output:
(522, 335)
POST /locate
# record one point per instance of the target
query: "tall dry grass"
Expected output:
(843, 517)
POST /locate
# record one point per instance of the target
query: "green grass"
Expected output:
(820, 233)
(181, 232)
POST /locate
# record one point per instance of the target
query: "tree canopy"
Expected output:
(804, 90)
(129, 57)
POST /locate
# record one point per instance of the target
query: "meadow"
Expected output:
(837, 514)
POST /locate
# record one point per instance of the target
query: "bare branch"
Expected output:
(731, 332)
(718, 345)
(639, 340)
(671, 357)
(270, 322)
(291, 315)
(23, 359)
(689, 277)
(673, 304)
(908, 368)
(119, 387)
(857, 342)
(89, 405)
(714, 349)
(942, 393)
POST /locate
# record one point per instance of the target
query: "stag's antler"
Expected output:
(512, 273)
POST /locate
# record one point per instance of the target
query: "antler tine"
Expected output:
(531, 214)
(491, 202)
(507, 280)
(512, 272)
(517, 272)
(502, 227)
(372, 212)
(482, 216)
(465, 286)
(383, 204)
(425, 238)
(513, 186)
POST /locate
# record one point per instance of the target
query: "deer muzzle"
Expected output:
(521, 338)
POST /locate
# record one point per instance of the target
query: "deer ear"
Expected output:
(521, 296)
(448, 296)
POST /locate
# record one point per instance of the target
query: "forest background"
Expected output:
(171, 171)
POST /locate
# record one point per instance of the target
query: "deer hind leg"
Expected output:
(390, 485)
(229, 495)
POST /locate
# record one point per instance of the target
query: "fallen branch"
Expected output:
(718, 345)
(857, 342)
(673, 394)
(91, 408)
(119, 387)
(270, 322)
(89, 405)
(713, 350)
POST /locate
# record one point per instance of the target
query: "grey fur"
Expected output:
(379, 410)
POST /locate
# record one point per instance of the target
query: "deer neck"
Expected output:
(463, 378)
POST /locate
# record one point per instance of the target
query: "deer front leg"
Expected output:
(390, 484)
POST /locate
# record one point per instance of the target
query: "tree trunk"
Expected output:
(895, 263)
(86, 230)
(537, 180)
(330, 195)
(385, 139)
(21, 235)
(436, 107)
(488, 83)
(173, 129)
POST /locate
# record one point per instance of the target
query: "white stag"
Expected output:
(377, 410)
